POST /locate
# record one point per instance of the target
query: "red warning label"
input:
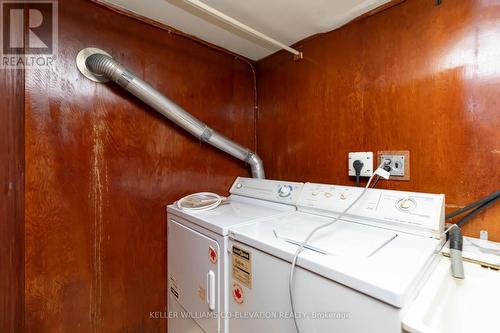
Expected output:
(238, 293)
(212, 255)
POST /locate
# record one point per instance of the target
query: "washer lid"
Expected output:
(363, 257)
(338, 239)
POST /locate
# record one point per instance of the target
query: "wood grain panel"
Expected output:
(12, 197)
(415, 77)
(101, 166)
(11, 200)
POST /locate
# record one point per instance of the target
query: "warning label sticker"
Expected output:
(242, 266)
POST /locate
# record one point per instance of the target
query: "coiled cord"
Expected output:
(200, 202)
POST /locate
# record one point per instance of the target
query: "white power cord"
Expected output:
(448, 229)
(200, 202)
(381, 173)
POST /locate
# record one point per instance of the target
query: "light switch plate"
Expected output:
(366, 158)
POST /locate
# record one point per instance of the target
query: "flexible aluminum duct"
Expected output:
(102, 65)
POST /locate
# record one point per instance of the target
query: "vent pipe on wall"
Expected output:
(99, 66)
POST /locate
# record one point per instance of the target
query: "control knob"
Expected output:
(406, 204)
(285, 191)
(344, 195)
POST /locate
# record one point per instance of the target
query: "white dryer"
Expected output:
(198, 254)
(356, 276)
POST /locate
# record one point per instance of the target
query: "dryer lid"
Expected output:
(237, 210)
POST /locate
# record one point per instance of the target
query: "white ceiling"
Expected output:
(287, 21)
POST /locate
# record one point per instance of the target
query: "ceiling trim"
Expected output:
(126, 12)
(169, 29)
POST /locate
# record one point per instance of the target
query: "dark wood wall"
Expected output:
(101, 166)
(11, 200)
(415, 77)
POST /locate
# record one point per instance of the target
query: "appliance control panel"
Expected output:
(270, 190)
(419, 213)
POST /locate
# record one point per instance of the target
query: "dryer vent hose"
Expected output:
(99, 66)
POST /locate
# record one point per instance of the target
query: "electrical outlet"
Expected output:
(366, 158)
(398, 165)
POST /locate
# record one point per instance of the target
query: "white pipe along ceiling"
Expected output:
(284, 21)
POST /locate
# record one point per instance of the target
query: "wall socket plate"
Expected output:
(366, 158)
(399, 163)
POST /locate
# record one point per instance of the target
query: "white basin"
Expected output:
(449, 305)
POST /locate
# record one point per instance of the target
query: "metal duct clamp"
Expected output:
(81, 63)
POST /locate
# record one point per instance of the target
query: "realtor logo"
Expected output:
(29, 33)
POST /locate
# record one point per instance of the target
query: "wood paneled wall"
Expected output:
(416, 77)
(11, 200)
(101, 166)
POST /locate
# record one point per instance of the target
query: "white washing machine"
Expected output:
(357, 275)
(198, 256)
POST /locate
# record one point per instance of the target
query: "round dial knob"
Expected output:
(285, 191)
(406, 204)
